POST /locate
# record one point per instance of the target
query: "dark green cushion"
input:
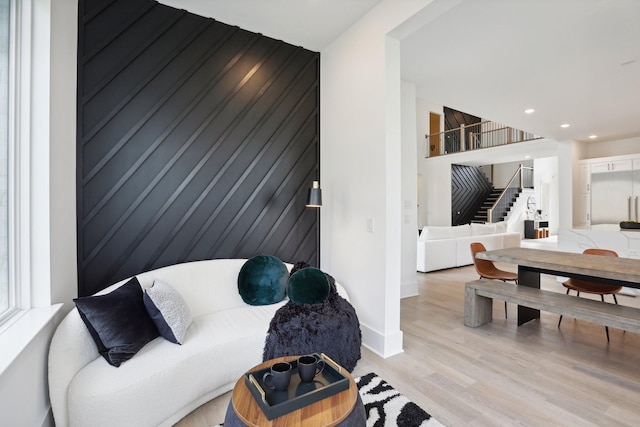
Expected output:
(263, 280)
(308, 286)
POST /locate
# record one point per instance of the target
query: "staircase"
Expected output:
(481, 215)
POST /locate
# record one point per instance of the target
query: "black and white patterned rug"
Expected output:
(386, 407)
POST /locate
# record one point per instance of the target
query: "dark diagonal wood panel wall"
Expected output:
(196, 140)
(469, 188)
(453, 119)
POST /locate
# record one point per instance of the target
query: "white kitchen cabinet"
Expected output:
(582, 211)
(635, 195)
(607, 191)
(584, 178)
(582, 197)
(611, 200)
(612, 166)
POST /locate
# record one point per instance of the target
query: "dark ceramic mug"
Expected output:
(309, 367)
(280, 375)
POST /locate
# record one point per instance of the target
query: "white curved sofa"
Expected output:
(164, 381)
(441, 247)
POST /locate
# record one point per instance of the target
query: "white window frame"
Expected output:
(18, 173)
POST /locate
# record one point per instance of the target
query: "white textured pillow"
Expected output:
(168, 311)
(501, 227)
(482, 229)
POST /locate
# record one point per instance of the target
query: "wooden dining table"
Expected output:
(533, 262)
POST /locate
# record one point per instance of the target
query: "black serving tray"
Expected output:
(299, 394)
(629, 225)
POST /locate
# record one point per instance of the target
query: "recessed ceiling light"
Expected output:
(529, 110)
(593, 136)
(527, 157)
(565, 125)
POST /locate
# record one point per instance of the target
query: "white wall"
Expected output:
(409, 168)
(62, 155)
(503, 172)
(52, 135)
(545, 182)
(566, 161)
(361, 170)
(437, 172)
(436, 189)
(49, 261)
(24, 395)
(423, 108)
(620, 147)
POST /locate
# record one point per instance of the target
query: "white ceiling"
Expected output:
(568, 59)
(312, 24)
(574, 61)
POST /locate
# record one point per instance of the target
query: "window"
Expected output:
(7, 300)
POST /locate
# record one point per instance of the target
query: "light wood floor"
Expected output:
(500, 374)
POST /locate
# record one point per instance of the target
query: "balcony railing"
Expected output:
(476, 136)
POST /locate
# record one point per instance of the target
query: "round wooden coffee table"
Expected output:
(330, 411)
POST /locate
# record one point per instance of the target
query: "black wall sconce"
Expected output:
(314, 199)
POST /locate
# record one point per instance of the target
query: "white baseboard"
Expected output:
(409, 289)
(383, 345)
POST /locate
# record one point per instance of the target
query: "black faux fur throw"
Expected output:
(331, 327)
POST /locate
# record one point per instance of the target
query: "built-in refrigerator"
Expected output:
(614, 197)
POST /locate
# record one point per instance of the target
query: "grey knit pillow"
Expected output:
(168, 311)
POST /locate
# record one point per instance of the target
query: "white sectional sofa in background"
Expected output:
(441, 247)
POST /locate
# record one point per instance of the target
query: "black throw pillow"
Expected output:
(118, 321)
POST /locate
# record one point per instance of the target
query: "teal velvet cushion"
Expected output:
(308, 286)
(263, 280)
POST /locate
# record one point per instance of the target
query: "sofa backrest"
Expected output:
(206, 286)
(434, 232)
(488, 228)
(431, 232)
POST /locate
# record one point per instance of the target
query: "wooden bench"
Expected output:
(479, 296)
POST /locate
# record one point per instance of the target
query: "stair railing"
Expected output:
(522, 178)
